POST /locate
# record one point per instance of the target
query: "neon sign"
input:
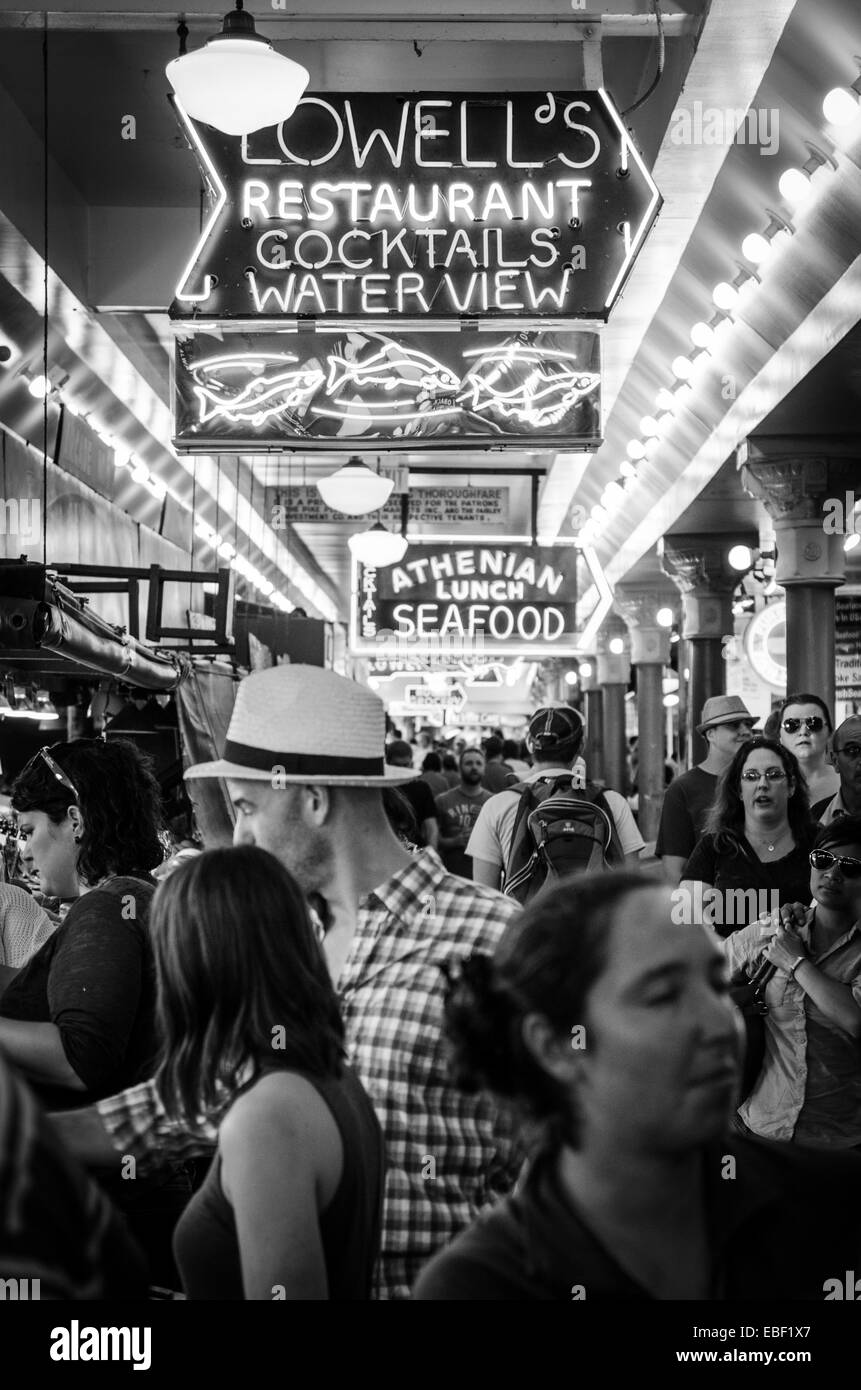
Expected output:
(334, 389)
(515, 599)
(375, 205)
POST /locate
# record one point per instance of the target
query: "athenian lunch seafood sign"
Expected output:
(372, 205)
(503, 600)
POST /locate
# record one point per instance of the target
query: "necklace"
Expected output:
(776, 840)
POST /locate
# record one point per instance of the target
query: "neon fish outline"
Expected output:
(246, 407)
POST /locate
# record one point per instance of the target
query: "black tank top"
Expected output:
(205, 1243)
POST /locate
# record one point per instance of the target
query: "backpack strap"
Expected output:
(615, 852)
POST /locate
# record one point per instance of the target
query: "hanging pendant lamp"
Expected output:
(355, 489)
(378, 547)
(237, 82)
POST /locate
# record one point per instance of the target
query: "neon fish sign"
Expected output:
(335, 389)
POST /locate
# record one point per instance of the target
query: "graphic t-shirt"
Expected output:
(457, 816)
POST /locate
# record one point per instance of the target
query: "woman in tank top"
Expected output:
(290, 1207)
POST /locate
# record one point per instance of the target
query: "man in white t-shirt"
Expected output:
(555, 738)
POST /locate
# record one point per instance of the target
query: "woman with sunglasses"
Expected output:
(753, 854)
(805, 726)
(809, 1088)
(78, 1020)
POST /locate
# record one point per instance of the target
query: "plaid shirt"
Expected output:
(448, 1153)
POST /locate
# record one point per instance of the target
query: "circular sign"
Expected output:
(765, 644)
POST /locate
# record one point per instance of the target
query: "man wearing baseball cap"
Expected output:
(725, 723)
(554, 739)
(305, 769)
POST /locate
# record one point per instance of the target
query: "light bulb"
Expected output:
(616, 646)
(599, 513)
(670, 701)
(665, 400)
(664, 617)
(627, 469)
(840, 106)
(740, 557)
(571, 678)
(681, 367)
(755, 247)
(634, 449)
(795, 187)
(702, 335)
(39, 387)
(725, 295)
(649, 426)
(613, 495)
(652, 446)
(585, 669)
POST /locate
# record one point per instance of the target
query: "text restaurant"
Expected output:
(430, 515)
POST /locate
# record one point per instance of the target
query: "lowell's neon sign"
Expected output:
(373, 206)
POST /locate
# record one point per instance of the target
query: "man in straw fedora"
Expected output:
(725, 723)
(305, 769)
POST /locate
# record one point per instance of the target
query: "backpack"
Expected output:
(559, 829)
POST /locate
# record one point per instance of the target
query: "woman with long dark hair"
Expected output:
(753, 854)
(291, 1205)
(612, 1030)
(78, 1020)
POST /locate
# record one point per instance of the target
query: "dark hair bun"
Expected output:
(479, 1018)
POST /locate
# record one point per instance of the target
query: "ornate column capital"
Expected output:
(794, 484)
(650, 643)
(614, 667)
(698, 566)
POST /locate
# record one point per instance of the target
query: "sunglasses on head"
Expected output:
(824, 859)
(814, 723)
(56, 771)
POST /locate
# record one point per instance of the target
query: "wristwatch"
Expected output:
(795, 964)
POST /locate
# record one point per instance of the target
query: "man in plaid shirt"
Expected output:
(448, 1153)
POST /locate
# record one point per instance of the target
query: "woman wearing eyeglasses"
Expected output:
(78, 1020)
(753, 854)
(809, 1088)
(805, 724)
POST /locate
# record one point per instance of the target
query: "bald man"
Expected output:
(843, 751)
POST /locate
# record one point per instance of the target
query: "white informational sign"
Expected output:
(765, 644)
(472, 508)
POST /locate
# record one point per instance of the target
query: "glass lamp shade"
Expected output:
(237, 82)
(378, 547)
(355, 489)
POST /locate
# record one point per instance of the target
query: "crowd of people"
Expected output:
(434, 1031)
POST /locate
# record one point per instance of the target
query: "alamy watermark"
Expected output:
(702, 905)
(719, 125)
(21, 516)
(839, 516)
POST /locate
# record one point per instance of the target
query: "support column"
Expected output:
(614, 674)
(650, 653)
(593, 713)
(698, 566)
(793, 480)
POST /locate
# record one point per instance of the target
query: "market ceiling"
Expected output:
(124, 213)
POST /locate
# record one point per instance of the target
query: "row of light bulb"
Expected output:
(796, 186)
(124, 457)
(241, 565)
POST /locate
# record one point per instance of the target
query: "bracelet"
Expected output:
(799, 960)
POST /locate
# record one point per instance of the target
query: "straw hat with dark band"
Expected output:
(306, 724)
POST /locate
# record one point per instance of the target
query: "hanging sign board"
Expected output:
(466, 508)
(375, 205)
(497, 600)
(338, 390)
(847, 640)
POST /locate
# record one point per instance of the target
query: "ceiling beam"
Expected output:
(726, 72)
